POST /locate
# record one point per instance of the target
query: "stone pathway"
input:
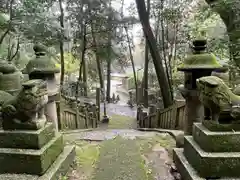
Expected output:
(119, 159)
(160, 162)
(101, 135)
(120, 108)
(123, 154)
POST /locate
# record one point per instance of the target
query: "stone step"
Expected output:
(27, 139)
(62, 164)
(58, 168)
(211, 141)
(30, 161)
(211, 165)
(185, 169)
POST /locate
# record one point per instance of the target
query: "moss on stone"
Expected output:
(4, 97)
(27, 139)
(214, 126)
(42, 64)
(51, 153)
(34, 162)
(120, 159)
(165, 141)
(87, 154)
(198, 61)
(211, 165)
(121, 122)
(216, 141)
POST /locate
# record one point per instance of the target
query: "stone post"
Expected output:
(98, 101)
(51, 108)
(152, 121)
(130, 98)
(44, 68)
(196, 65)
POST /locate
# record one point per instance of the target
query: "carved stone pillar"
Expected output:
(196, 65)
(44, 68)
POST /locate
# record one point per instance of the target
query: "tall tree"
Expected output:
(145, 76)
(61, 43)
(132, 63)
(109, 60)
(95, 49)
(157, 61)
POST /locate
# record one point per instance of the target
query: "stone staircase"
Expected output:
(213, 152)
(34, 155)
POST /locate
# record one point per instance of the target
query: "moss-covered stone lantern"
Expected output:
(198, 64)
(10, 78)
(43, 67)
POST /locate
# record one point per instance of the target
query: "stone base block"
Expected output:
(57, 169)
(214, 126)
(211, 141)
(26, 139)
(186, 170)
(211, 165)
(30, 161)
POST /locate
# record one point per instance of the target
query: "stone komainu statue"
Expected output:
(216, 95)
(26, 110)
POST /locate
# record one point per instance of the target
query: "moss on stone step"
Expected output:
(120, 159)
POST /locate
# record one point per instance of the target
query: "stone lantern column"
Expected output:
(10, 78)
(42, 67)
(196, 65)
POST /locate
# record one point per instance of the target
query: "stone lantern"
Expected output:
(10, 78)
(198, 64)
(42, 67)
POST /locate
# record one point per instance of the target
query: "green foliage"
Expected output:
(71, 63)
(4, 19)
(206, 20)
(36, 20)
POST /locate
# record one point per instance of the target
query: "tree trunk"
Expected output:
(97, 58)
(162, 79)
(229, 12)
(145, 81)
(132, 62)
(108, 93)
(165, 47)
(85, 93)
(84, 65)
(82, 75)
(61, 44)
